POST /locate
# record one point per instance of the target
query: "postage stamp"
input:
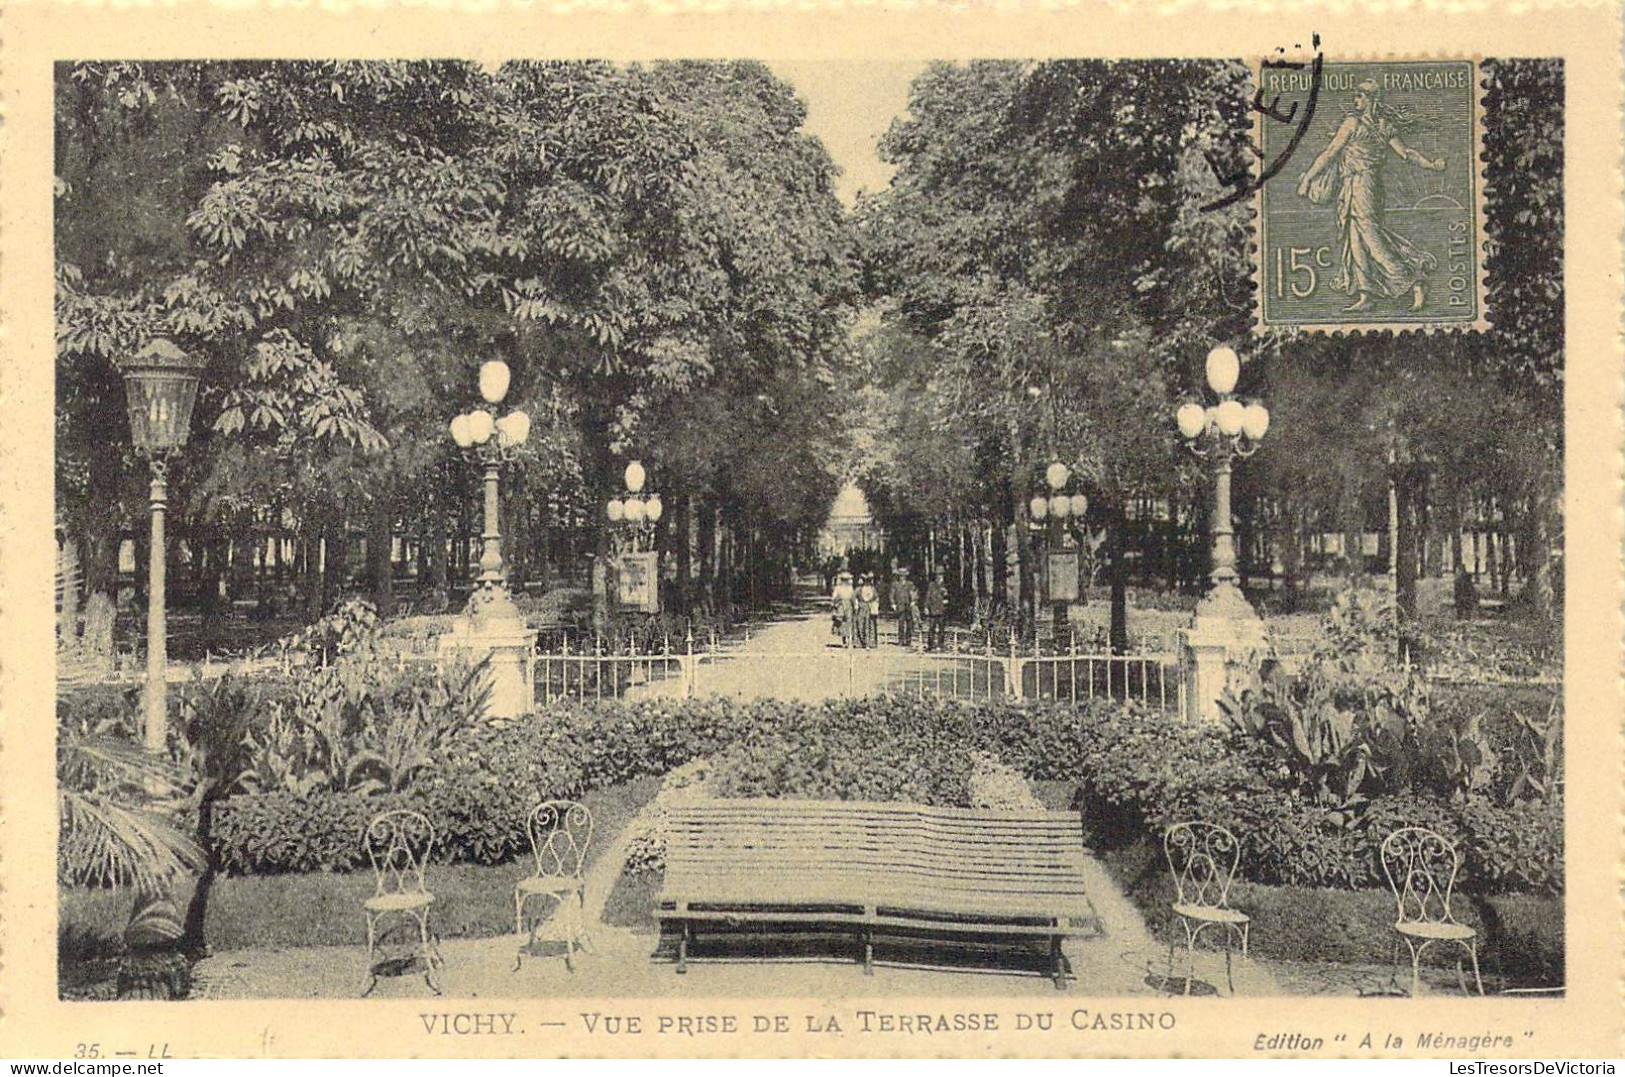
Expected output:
(1373, 218)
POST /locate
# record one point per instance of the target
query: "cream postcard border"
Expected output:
(33, 1023)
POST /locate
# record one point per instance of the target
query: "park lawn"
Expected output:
(324, 909)
(631, 903)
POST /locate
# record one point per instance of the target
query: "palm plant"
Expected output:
(115, 807)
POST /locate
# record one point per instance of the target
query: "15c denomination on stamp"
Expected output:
(1374, 222)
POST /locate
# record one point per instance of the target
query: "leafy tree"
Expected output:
(1030, 235)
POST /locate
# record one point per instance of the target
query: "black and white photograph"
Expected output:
(1087, 533)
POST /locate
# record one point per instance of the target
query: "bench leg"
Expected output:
(868, 953)
(682, 951)
(1058, 958)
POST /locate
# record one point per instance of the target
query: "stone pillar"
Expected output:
(1220, 652)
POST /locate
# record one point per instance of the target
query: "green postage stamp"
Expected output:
(1371, 218)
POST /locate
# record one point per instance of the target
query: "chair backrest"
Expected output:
(1204, 858)
(397, 844)
(560, 831)
(1421, 866)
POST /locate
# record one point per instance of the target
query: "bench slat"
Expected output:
(877, 865)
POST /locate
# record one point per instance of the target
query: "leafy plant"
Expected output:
(358, 722)
(116, 810)
(1537, 756)
(1355, 724)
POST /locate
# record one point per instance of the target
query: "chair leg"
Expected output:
(430, 957)
(1416, 967)
(1393, 968)
(1190, 954)
(1229, 973)
(1173, 943)
(428, 952)
(1246, 929)
(518, 911)
(1472, 950)
(584, 937)
(372, 965)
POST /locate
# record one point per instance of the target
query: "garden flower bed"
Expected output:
(1311, 778)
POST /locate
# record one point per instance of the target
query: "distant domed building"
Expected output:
(850, 525)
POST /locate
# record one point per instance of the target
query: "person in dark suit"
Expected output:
(905, 605)
(936, 614)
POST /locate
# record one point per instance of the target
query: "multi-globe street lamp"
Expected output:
(634, 513)
(1226, 636)
(160, 388)
(491, 441)
(1048, 511)
(1223, 431)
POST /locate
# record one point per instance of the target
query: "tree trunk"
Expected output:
(380, 563)
(1542, 598)
(69, 574)
(1116, 525)
(1407, 547)
(682, 552)
(335, 558)
(435, 540)
(706, 543)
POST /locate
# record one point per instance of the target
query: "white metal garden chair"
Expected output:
(398, 844)
(1203, 858)
(560, 832)
(1421, 866)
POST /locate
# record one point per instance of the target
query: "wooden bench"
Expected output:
(877, 868)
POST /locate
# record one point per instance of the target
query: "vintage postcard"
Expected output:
(851, 532)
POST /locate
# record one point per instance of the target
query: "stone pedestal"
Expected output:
(494, 627)
(1220, 651)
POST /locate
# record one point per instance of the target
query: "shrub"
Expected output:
(277, 832)
(360, 723)
(841, 755)
(1136, 771)
(1514, 848)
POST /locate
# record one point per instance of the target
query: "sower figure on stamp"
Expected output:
(902, 600)
(1374, 258)
(936, 614)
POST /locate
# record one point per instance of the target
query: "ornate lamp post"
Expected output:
(635, 513)
(493, 623)
(633, 516)
(1048, 512)
(1225, 628)
(160, 387)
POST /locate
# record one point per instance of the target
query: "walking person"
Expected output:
(936, 614)
(840, 601)
(903, 601)
(865, 605)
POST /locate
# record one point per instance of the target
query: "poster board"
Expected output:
(637, 577)
(1063, 576)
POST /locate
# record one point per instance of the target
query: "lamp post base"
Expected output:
(1221, 651)
(494, 630)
